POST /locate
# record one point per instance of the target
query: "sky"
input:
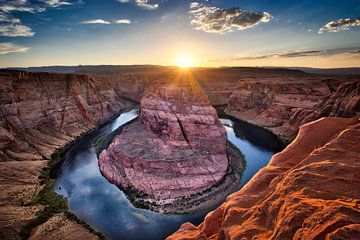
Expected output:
(288, 33)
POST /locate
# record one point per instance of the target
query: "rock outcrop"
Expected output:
(282, 106)
(176, 149)
(308, 191)
(39, 113)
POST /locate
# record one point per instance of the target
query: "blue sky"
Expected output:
(210, 33)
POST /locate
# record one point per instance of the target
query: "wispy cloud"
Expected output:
(340, 25)
(7, 47)
(218, 20)
(10, 26)
(34, 6)
(123, 21)
(96, 21)
(146, 4)
(57, 3)
(13, 27)
(292, 54)
(106, 22)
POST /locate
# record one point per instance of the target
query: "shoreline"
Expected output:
(285, 141)
(53, 203)
(223, 113)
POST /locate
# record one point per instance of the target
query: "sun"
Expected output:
(185, 61)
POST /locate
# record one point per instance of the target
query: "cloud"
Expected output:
(142, 3)
(57, 3)
(218, 20)
(340, 25)
(33, 6)
(13, 27)
(293, 54)
(123, 21)
(96, 21)
(145, 4)
(7, 47)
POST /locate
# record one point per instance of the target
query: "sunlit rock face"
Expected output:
(175, 149)
(308, 191)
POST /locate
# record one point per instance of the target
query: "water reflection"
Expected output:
(103, 206)
(256, 156)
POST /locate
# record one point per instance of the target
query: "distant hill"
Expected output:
(87, 68)
(340, 71)
(151, 68)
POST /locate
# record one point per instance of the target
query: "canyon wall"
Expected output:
(308, 191)
(282, 106)
(40, 113)
(280, 100)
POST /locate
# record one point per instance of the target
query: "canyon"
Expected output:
(280, 100)
(308, 191)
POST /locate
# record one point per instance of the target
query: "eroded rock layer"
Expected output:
(308, 191)
(39, 113)
(283, 106)
(177, 148)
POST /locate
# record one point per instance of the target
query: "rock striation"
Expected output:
(308, 191)
(282, 106)
(40, 113)
(175, 150)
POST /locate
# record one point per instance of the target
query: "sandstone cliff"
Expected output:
(308, 191)
(282, 106)
(39, 113)
(175, 150)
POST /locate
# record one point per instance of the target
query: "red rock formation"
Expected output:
(344, 102)
(176, 149)
(39, 113)
(283, 105)
(308, 191)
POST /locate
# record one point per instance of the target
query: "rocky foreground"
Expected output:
(175, 150)
(308, 191)
(40, 113)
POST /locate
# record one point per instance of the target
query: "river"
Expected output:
(105, 207)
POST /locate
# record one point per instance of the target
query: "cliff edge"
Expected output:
(308, 191)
